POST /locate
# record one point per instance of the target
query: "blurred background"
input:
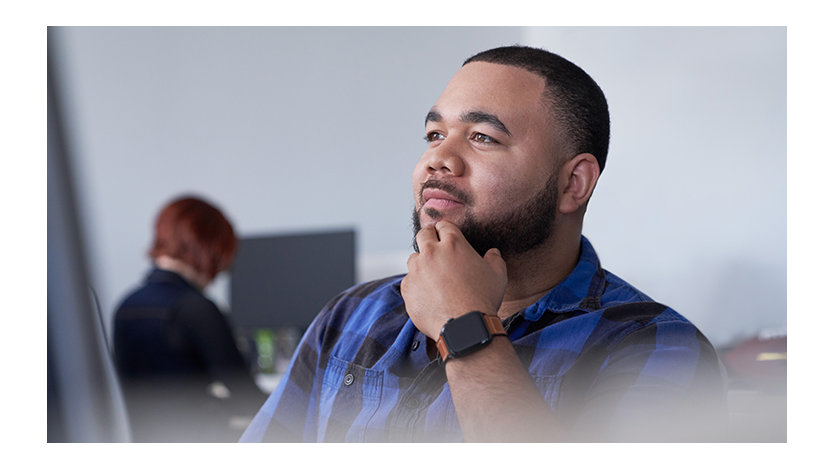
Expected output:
(306, 138)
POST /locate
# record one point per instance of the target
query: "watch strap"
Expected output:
(494, 325)
(442, 349)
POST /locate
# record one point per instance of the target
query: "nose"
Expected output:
(444, 159)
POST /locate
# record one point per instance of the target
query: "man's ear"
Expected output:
(578, 176)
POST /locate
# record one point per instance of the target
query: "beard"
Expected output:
(517, 231)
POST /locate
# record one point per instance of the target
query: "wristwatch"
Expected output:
(467, 334)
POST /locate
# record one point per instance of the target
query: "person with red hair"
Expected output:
(183, 377)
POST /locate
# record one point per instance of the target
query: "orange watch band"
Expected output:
(442, 349)
(494, 325)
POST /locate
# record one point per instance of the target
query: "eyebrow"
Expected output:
(472, 117)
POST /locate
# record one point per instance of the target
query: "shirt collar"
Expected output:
(162, 275)
(579, 291)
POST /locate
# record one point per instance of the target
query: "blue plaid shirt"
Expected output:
(611, 363)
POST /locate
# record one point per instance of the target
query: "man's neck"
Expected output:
(533, 274)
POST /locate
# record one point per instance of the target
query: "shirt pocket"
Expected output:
(350, 397)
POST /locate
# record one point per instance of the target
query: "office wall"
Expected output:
(692, 205)
(298, 129)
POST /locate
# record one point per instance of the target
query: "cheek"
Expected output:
(494, 190)
(417, 178)
(499, 192)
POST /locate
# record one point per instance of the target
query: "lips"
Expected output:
(439, 202)
(442, 196)
(431, 194)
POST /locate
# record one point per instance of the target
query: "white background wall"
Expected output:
(291, 129)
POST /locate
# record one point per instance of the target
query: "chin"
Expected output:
(431, 216)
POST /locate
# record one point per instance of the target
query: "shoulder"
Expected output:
(618, 290)
(361, 305)
(619, 315)
(623, 304)
(367, 296)
(632, 325)
(162, 289)
(150, 296)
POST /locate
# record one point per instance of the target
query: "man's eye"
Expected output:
(483, 138)
(433, 136)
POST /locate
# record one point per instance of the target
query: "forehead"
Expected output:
(509, 92)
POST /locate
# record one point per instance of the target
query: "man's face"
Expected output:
(490, 164)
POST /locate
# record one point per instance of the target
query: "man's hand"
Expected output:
(448, 278)
(495, 398)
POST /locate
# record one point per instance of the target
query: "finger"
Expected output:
(446, 229)
(495, 261)
(411, 264)
(426, 236)
(404, 285)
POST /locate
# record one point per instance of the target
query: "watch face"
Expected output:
(465, 332)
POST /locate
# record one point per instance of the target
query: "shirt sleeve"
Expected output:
(662, 382)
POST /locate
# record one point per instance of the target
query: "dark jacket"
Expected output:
(172, 347)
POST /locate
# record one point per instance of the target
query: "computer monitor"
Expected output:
(282, 281)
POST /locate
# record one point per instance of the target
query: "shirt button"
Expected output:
(415, 345)
(348, 379)
(412, 403)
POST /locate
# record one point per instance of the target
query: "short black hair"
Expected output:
(576, 100)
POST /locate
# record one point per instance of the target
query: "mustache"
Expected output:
(450, 188)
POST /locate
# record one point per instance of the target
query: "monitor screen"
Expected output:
(283, 280)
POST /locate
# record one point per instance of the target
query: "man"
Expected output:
(506, 328)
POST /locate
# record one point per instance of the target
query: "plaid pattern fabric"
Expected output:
(605, 357)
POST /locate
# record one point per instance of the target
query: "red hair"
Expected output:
(196, 233)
